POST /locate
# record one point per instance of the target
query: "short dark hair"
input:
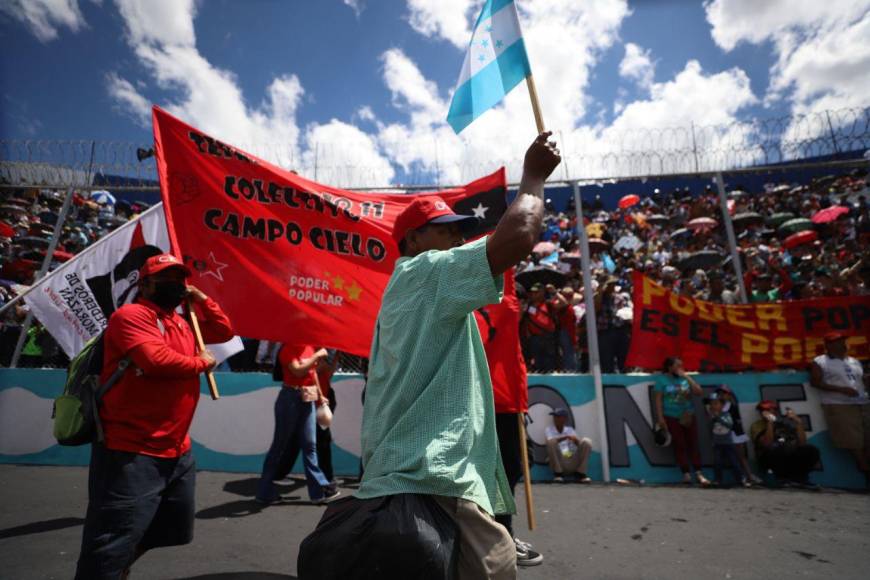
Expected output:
(669, 362)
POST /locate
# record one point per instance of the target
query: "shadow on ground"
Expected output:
(241, 576)
(40, 527)
(247, 507)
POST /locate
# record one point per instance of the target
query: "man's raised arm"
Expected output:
(519, 228)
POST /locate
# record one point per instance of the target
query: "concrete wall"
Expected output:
(233, 433)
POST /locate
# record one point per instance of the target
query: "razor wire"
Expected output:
(433, 163)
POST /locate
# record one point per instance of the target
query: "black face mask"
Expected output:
(169, 295)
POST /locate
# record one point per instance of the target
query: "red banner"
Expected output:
(288, 259)
(499, 326)
(718, 337)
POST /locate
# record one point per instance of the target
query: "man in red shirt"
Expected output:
(142, 477)
(295, 424)
(540, 325)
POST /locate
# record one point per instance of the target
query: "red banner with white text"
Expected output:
(287, 259)
(717, 337)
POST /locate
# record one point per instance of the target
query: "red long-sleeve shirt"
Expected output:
(149, 410)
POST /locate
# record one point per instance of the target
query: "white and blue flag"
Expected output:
(495, 63)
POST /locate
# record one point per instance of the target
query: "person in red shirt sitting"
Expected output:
(295, 423)
(142, 477)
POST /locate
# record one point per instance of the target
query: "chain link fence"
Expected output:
(588, 154)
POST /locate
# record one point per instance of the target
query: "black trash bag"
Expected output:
(398, 536)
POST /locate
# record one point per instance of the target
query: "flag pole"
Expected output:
(536, 104)
(43, 270)
(209, 375)
(592, 334)
(527, 476)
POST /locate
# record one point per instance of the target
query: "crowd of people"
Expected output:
(795, 241)
(27, 221)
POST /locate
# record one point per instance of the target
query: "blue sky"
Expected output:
(375, 77)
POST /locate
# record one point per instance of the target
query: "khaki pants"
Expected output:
(486, 550)
(577, 463)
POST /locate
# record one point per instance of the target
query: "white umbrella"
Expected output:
(103, 197)
(628, 242)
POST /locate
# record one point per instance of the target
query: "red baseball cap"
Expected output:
(767, 405)
(835, 336)
(426, 209)
(158, 263)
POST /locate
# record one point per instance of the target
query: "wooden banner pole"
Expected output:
(209, 375)
(536, 105)
(527, 476)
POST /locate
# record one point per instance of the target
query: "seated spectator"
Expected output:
(566, 452)
(781, 445)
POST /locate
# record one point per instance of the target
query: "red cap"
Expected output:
(159, 263)
(767, 406)
(423, 210)
(835, 336)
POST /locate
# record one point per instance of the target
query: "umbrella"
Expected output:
(657, 219)
(779, 218)
(799, 239)
(829, 214)
(544, 248)
(795, 225)
(701, 260)
(541, 276)
(6, 231)
(597, 244)
(628, 242)
(746, 219)
(680, 233)
(13, 209)
(595, 230)
(32, 241)
(103, 197)
(736, 194)
(628, 201)
(571, 258)
(62, 256)
(702, 223)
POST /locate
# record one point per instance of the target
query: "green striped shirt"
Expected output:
(429, 420)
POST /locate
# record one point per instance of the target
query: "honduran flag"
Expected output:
(495, 63)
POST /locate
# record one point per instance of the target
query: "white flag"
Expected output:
(75, 301)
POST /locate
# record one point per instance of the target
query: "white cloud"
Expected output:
(447, 19)
(210, 98)
(356, 5)
(129, 99)
(822, 48)
(637, 65)
(45, 17)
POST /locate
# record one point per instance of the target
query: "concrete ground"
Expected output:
(597, 531)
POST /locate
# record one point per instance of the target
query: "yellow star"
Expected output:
(338, 283)
(353, 291)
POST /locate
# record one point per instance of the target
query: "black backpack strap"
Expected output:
(101, 392)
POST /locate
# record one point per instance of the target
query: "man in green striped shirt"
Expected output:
(429, 420)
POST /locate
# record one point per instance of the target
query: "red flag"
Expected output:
(500, 329)
(288, 259)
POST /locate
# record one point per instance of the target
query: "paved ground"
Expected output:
(598, 531)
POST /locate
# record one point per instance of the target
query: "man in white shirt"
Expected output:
(844, 399)
(566, 452)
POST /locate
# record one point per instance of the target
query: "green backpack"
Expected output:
(75, 414)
